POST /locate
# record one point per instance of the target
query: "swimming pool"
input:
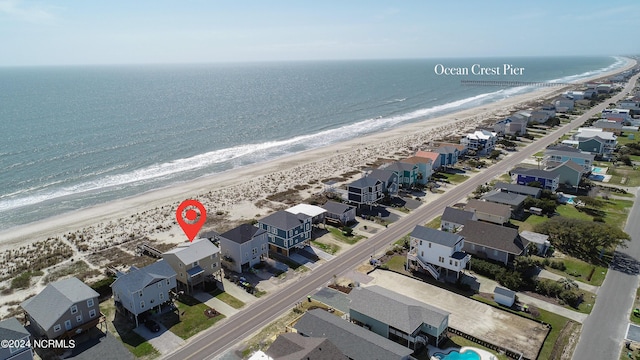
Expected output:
(598, 170)
(454, 355)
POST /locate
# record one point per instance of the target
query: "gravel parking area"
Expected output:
(472, 317)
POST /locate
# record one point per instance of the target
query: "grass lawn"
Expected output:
(624, 138)
(401, 241)
(435, 223)
(588, 300)
(571, 212)
(337, 233)
(580, 270)
(455, 178)
(634, 157)
(556, 321)
(227, 298)
(397, 263)
(191, 320)
(636, 304)
(326, 247)
(529, 223)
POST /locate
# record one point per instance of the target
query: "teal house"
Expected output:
(396, 317)
(407, 173)
(286, 231)
(569, 173)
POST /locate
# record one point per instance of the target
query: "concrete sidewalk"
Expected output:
(556, 309)
(217, 304)
(583, 286)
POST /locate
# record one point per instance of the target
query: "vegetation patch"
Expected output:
(191, 318)
(344, 235)
(227, 298)
(23, 280)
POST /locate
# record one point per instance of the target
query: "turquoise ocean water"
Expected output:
(73, 137)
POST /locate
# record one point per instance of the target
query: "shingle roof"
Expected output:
(190, 252)
(493, 236)
(429, 155)
(488, 208)
(435, 236)
(544, 174)
(282, 220)
(446, 149)
(394, 309)
(383, 175)
(456, 216)
(11, 329)
(401, 166)
(293, 346)
(138, 279)
(518, 189)
(243, 233)
(574, 153)
(336, 208)
(364, 182)
(570, 164)
(57, 297)
(563, 148)
(417, 160)
(506, 198)
(354, 341)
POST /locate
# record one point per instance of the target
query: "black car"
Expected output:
(152, 325)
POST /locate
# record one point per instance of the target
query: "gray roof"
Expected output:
(456, 216)
(570, 164)
(354, 341)
(534, 237)
(488, 207)
(518, 189)
(336, 207)
(55, 299)
(138, 279)
(436, 236)
(506, 198)
(383, 175)
(283, 220)
(190, 252)
(493, 236)
(604, 124)
(447, 149)
(394, 309)
(365, 182)
(401, 166)
(243, 233)
(293, 346)
(574, 152)
(504, 292)
(563, 148)
(544, 174)
(11, 329)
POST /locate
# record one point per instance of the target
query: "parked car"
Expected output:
(152, 325)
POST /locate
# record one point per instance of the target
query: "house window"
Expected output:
(142, 304)
(168, 282)
(67, 324)
(213, 257)
(456, 263)
(264, 247)
(180, 264)
(92, 313)
(422, 253)
(450, 262)
(161, 296)
(159, 284)
(57, 328)
(181, 274)
(140, 292)
(90, 303)
(79, 319)
(74, 309)
(495, 252)
(195, 263)
(213, 266)
(290, 233)
(420, 242)
(254, 251)
(429, 245)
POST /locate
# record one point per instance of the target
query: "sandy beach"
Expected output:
(241, 194)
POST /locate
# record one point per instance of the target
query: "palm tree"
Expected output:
(568, 284)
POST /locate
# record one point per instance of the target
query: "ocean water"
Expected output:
(73, 137)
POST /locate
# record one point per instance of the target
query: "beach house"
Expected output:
(433, 251)
(389, 179)
(480, 141)
(194, 262)
(448, 155)
(286, 231)
(564, 105)
(618, 115)
(596, 141)
(514, 124)
(453, 219)
(548, 180)
(295, 346)
(514, 201)
(339, 213)
(143, 289)
(407, 173)
(365, 191)
(436, 162)
(397, 317)
(518, 189)
(556, 155)
(488, 211)
(356, 342)
(569, 173)
(62, 309)
(17, 337)
(316, 213)
(425, 168)
(609, 125)
(490, 241)
(243, 247)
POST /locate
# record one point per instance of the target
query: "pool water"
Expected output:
(598, 170)
(454, 355)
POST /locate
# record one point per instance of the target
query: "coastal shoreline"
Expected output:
(224, 191)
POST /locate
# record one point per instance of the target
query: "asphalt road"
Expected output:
(604, 330)
(222, 337)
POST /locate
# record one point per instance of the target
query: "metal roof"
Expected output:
(190, 252)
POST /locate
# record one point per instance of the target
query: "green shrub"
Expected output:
(558, 265)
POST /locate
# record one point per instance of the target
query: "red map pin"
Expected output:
(190, 220)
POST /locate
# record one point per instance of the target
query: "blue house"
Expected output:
(549, 180)
(286, 230)
(448, 155)
(407, 173)
(367, 190)
(556, 155)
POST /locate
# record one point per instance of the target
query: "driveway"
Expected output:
(164, 340)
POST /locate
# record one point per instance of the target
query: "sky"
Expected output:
(85, 32)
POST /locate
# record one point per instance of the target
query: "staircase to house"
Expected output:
(432, 270)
